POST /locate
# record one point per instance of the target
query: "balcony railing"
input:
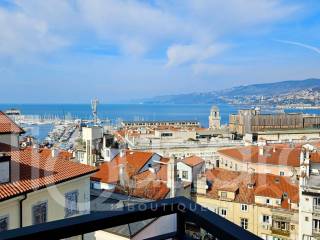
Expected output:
(316, 208)
(184, 209)
(281, 232)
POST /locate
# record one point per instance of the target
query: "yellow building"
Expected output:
(41, 187)
(264, 204)
(38, 185)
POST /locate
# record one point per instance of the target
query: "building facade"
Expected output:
(252, 121)
(309, 193)
(264, 204)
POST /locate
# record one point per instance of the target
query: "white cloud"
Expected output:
(22, 35)
(135, 27)
(180, 54)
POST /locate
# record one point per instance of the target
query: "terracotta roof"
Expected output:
(132, 162)
(266, 185)
(7, 125)
(151, 185)
(65, 155)
(160, 174)
(193, 161)
(221, 179)
(273, 154)
(33, 169)
(315, 157)
(154, 190)
(146, 184)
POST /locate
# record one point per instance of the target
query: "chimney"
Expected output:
(121, 175)
(201, 184)
(172, 175)
(54, 152)
(5, 168)
(261, 151)
(122, 152)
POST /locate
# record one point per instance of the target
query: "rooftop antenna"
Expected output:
(94, 106)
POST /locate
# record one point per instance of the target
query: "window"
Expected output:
(281, 173)
(244, 223)
(266, 219)
(223, 212)
(71, 207)
(316, 225)
(244, 207)
(224, 194)
(39, 213)
(166, 134)
(284, 226)
(185, 174)
(4, 222)
(306, 219)
(316, 202)
(267, 201)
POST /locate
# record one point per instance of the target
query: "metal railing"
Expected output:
(185, 210)
(316, 208)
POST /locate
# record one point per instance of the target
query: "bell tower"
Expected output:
(214, 118)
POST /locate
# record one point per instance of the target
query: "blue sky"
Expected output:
(70, 51)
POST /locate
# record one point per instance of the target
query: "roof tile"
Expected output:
(33, 169)
(7, 125)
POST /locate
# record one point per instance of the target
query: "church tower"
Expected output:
(214, 118)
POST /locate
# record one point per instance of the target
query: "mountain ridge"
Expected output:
(226, 95)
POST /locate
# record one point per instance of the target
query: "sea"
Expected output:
(115, 113)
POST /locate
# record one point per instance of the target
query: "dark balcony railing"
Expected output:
(282, 232)
(185, 210)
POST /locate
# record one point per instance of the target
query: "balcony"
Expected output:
(281, 232)
(316, 233)
(316, 208)
(184, 210)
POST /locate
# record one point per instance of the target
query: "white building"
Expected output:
(89, 145)
(189, 168)
(309, 194)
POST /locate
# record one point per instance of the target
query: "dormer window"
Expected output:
(4, 168)
(223, 194)
(250, 185)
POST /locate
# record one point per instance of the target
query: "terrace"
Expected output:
(183, 210)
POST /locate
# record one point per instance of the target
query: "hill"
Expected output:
(248, 94)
